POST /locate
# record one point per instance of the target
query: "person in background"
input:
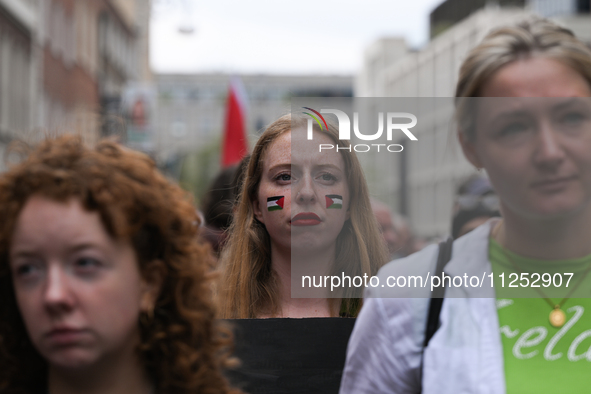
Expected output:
(103, 288)
(217, 206)
(391, 238)
(409, 243)
(475, 203)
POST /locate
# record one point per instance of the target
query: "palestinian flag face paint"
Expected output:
(275, 203)
(334, 201)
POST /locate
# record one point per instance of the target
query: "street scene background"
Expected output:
(169, 78)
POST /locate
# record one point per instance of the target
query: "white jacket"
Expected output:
(465, 354)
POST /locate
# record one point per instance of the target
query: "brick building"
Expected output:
(64, 64)
(91, 49)
(18, 26)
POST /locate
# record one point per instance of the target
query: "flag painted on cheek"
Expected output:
(275, 203)
(334, 201)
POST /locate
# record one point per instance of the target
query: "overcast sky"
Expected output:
(279, 37)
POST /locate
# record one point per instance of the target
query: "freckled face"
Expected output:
(79, 291)
(275, 182)
(294, 168)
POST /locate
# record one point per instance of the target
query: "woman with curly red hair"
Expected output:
(103, 288)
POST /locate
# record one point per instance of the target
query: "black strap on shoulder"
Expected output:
(438, 293)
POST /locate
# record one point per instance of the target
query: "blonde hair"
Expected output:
(532, 37)
(248, 283)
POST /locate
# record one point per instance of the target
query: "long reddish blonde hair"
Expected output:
(248, 284)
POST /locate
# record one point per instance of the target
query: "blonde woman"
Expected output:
(537, 154)
(283, 221)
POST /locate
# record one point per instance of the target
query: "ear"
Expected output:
(469, 150)
(152, 280)
(258, 213)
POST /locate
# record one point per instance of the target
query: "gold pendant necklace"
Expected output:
(557, 316)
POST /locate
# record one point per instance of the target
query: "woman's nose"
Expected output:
(58, 297)
(549, 152)
(305, 193)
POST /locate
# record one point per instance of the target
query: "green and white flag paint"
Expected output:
(334, 201)
(275, 203)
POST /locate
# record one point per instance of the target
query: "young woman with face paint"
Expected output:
(523, 106)
(300, 211)
(103, 288)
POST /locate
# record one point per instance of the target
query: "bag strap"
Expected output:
(436, 301)
(438, 293)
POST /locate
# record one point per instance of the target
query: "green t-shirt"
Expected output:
(540, 358)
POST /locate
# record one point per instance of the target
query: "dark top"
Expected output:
(290, 355)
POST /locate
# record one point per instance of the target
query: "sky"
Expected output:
(277, 36)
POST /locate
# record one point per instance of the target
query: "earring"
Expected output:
(147, 317)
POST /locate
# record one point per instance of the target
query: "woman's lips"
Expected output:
(66, 336)
(555, 184)
(305, 219)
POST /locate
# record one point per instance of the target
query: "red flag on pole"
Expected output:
(235, 143)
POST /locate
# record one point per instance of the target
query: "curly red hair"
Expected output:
(183, 349)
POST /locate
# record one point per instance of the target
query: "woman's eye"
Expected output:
(328, 177)
(24, 270)
(572, 119)
(87, 263)
(512, 129)
(283, 177)
(28, 271)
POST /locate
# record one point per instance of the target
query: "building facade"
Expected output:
(91, 50)
(18, 69)
(64, 65)
(422, 180)
(190, 109)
